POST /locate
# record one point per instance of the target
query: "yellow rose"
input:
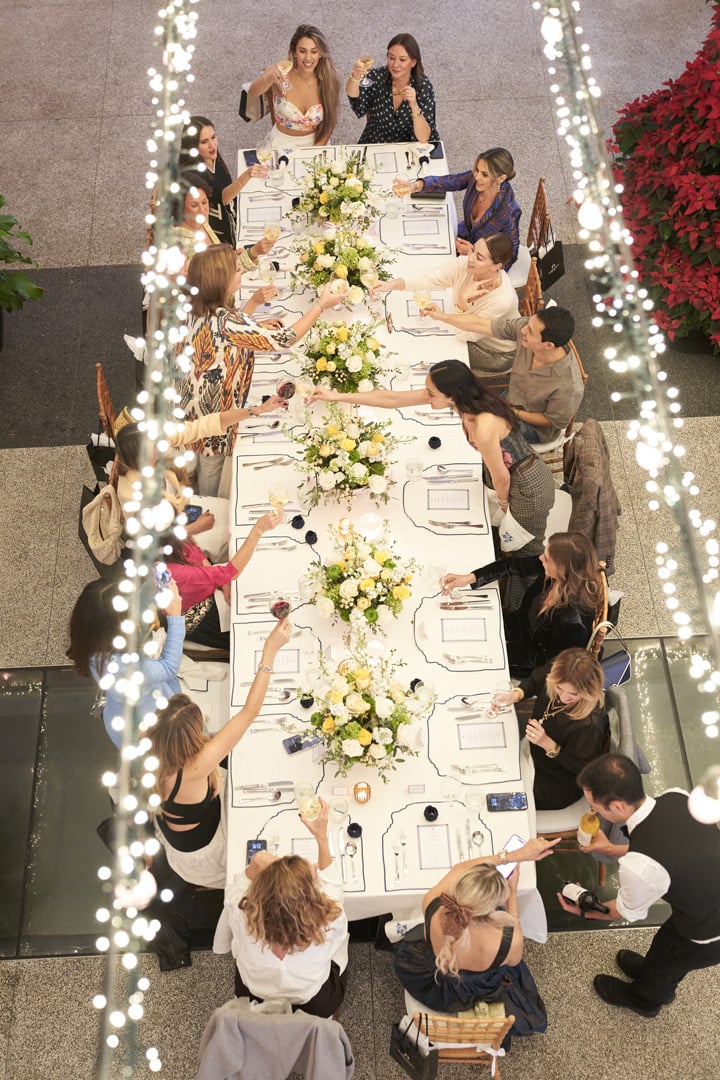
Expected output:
(335, 696)
(319, 247)
(323, 199)
(321, 363)
(340, 270)
(348, 444)
(408, 578)
(362, 605)
(365, 737)
(304, 257)
(366, 583)
(361, 673)
(328, 725)
(341, 333)
(373, 450)
(401, 592)
(397, 696)
(381, 556)
(378, 437)
(332, 429)
(325, 450)
(372, 343)
(316, 265)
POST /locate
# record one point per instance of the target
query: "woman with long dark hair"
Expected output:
(522, 482)
(560, 604)
(397, 101)
(305, 99)
(190, 822)
(199, 150)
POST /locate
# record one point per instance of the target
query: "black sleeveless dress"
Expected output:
(510, 983)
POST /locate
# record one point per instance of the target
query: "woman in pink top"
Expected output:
(197, 579)
(305, 100)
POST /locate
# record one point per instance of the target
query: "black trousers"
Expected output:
(327, 1000)
(667, 962)
(209, 632)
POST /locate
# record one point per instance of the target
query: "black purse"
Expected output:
(410, 1055)
(550, 259)
(616, 665)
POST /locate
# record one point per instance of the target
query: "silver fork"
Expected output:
(396, 853)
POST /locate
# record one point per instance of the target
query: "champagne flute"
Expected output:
(264, 152)
(266, 271)
(304, 386)
(367, 62)
(422, 298)
(284, 67)
(285, 388)
(272, 232)
(370, 278)
(402, 186)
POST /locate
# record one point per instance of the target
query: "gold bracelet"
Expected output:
(416, 114)
(352, 78)
(265, 668)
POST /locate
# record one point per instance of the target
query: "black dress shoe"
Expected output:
(616, 992)
(630, 963)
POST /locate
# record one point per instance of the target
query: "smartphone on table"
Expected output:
(506, 800)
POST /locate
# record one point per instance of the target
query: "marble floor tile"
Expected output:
(121, 199)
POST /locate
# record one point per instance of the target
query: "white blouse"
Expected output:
(299, 976)
(501, 303)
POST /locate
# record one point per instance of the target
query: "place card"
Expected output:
(434, 847)
(421, 226)
(448, 498)
(482, 736)
(306, 847)
(384, 161)
(463, 629)
(261, 214)
(285, 660)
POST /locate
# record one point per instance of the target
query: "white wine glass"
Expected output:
(422, 298)
(402, 186)
(370, 278)
(272, 232)
(264, 152)
(285, 67)
(267, 271)
(278, 496)
(367, 62)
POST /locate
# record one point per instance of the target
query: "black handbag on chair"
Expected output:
(550, 260)
(411, 1055)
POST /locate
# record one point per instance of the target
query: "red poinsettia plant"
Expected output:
(668, 160)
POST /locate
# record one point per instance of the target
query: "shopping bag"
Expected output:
(252, 109)
(412, 1052)
(550, 260)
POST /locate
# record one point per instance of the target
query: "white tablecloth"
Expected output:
(459, 652)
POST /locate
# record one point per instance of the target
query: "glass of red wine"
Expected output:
(285, 388)
(280, 607)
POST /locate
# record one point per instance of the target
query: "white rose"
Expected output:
(377, 484)
(326, 262)
(355, 295)
(382, 735)
(384, 707)
(384, 613)
(338, 710)
(371, 568)
(377, 751)
(329, 232)
(363, 549)
(338, 167)
(354, 363)
(327, 481)
(356, 704)
(351, 748)
(364, 385)
(334, 182)
(348, 589)
(408, 735)
(363, 448)
(325, 607)
(352, 431)
(358, 471)
(364, 264)
(366, 241)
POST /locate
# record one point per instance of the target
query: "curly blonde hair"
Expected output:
(578, 582)
(284, 906)
(581, 671)
(478, 898)
(177, 737)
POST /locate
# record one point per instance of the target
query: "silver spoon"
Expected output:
(477, 838)
(351, 852)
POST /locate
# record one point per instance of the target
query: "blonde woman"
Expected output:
(470, 948)
(289, 930)
(190, 823)
(569, 726)
(305, 99)
(563, 592)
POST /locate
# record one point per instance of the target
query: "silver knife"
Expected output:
(341, 846)
(458, 840)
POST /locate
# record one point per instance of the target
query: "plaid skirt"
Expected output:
(532, 495)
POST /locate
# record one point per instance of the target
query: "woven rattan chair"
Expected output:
(467, 1038)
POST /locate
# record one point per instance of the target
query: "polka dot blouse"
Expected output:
(384, 123)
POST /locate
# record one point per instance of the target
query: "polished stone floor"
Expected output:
(74, 117)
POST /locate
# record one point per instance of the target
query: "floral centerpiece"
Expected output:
(364, 582)
(344, 358)
(339, 191)
(343, 455)
(363, 712)
(668, 163)
(339, 253)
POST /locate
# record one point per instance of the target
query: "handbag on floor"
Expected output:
(412, 1051)
(550, 260)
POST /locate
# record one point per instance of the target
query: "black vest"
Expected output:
(690, 852)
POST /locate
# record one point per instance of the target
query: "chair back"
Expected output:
(600, 623)
(532, 300)
(105, 405)
(539, 226)
(465, 1036)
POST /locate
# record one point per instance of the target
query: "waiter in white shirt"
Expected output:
(671, 856)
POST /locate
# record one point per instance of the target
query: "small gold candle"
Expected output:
(362, 791)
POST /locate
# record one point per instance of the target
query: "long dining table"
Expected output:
(463, 751)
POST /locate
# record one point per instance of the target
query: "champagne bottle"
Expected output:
(583, 898)
(588, 827)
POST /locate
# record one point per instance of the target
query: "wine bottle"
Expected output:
(588, 827)
(582, 897)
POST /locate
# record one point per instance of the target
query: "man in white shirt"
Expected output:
(669, 855)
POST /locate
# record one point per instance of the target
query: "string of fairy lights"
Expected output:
(622, 305)
(129, 885)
